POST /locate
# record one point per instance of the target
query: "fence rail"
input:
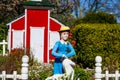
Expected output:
(15, 76)
(98, 71)
(3, 43)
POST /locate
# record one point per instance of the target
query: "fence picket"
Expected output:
(15, 75)
(116, 75)
(3, 75)
(106, 74)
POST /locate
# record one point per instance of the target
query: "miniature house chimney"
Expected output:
(36, 0)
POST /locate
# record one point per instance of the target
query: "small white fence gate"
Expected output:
(15, 76)
(98, 71)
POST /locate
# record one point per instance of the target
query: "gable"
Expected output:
(55, 24)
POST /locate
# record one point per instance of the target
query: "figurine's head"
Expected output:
(64, 32)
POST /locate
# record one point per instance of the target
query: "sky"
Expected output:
(110, 7)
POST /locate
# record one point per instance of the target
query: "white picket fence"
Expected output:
(98, 71)
(4, 49)
(15, 76)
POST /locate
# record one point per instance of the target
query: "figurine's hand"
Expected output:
(64, 56)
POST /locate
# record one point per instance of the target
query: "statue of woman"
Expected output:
(62, 49)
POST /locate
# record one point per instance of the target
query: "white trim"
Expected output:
(48, 58)
(10, 30)
(25, 37)
(17, 30)
(42, 27)
(36, 0)
(15, 20)
(57, 21)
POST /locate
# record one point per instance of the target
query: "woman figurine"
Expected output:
(62, 49)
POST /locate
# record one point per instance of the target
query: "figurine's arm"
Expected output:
(72, 51)
(54, 51)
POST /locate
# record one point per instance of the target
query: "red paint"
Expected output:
(54, 26)
(19, 24)
(51, 57)
(38, 18)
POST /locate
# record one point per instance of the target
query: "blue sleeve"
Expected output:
(72, 51)
(54, 51)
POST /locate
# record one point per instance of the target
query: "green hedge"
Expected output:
(97, 39)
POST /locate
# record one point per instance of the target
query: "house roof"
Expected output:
(16, 18)
(37, 3)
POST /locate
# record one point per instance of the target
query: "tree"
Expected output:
(10, 9)
(63, 10)
(97, 17)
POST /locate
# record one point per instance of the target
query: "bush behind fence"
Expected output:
(97, 39)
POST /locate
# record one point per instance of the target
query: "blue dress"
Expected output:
(58, 50)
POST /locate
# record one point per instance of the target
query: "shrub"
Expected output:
(97, 39)
(12, 62)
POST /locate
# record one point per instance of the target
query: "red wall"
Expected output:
(38, 18)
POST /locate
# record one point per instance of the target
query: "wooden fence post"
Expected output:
(98, 69)
(24, 71)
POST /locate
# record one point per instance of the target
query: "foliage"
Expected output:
(64, 6)
(12, 62)
(99, 17)
(97, 39)
(3, 34)
(10, 9)
(63, 11)
(83, 74)
(39, 71)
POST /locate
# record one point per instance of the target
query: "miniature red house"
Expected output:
(35, 30)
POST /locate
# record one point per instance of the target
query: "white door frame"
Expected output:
(37, 43)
